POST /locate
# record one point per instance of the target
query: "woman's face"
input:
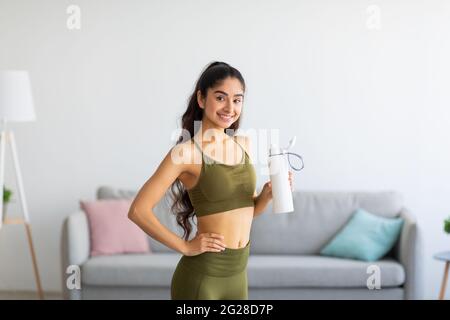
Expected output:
(223, 103)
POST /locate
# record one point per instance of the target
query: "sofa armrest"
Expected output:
(407, 253)
(75, 246)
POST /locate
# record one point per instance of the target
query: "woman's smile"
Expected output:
(225, 117)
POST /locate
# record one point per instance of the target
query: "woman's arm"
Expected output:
(141, 210)
(261, 201)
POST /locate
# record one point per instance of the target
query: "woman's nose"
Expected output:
(228, 106)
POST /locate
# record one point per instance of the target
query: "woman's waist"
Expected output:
(231, 241)
(235, 228)
(234, 236)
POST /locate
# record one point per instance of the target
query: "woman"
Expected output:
(220, 193)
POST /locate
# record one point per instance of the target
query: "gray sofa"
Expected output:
(283, 263)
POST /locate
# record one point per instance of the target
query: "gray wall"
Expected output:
(369, 106)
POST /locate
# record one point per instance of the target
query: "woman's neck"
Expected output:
(211, 133)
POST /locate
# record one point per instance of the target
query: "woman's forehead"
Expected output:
(230, 86)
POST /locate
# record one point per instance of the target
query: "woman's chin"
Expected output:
(223, 124)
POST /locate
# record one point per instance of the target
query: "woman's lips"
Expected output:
(225, 117)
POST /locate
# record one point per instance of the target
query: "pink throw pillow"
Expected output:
(111, 232)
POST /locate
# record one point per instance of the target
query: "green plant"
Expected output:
(447, 225)
(6, 194)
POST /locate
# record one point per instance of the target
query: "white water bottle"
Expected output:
(279, 177)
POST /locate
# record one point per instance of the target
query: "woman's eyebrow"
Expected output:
(219, 91)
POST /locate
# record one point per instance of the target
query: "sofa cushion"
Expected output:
(365, 237)
(318, 216)
(110, 230)
(317, 271)
(263, 271)
(109, 192)
(130, 269)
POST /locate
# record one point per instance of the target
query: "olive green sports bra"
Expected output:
(222, 187)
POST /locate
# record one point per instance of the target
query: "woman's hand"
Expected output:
(267, 188)
(204, 242)
(291, 179)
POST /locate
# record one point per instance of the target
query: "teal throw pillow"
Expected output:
(366, 237)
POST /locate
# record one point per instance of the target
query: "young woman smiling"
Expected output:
(217, 184)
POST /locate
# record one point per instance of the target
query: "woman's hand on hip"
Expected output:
(204, 242)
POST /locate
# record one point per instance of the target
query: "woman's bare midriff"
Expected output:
(234, 225)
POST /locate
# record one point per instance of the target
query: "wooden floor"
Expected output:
(28, 295)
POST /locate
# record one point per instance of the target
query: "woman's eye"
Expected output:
(218, 98)
(237, 101)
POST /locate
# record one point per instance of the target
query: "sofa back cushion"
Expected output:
(317, 218)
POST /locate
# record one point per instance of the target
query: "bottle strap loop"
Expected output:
(289, 160)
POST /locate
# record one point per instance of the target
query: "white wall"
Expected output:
(369, 107)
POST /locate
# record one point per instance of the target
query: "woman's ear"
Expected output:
(200, 99)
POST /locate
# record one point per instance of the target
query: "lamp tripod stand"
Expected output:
(7, 138)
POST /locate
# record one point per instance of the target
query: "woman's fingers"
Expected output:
(214, 245)
(217, 243)
(213, 240)
(290, 180)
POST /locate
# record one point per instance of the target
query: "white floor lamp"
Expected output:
(16, 104)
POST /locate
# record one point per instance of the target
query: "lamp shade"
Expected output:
(16, 99)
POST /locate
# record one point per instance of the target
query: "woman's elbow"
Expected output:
(135, 214)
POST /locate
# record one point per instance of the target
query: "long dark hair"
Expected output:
(211, 76)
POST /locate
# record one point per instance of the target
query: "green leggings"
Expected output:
(212, 276)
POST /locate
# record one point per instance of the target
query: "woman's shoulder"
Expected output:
(183, 151)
